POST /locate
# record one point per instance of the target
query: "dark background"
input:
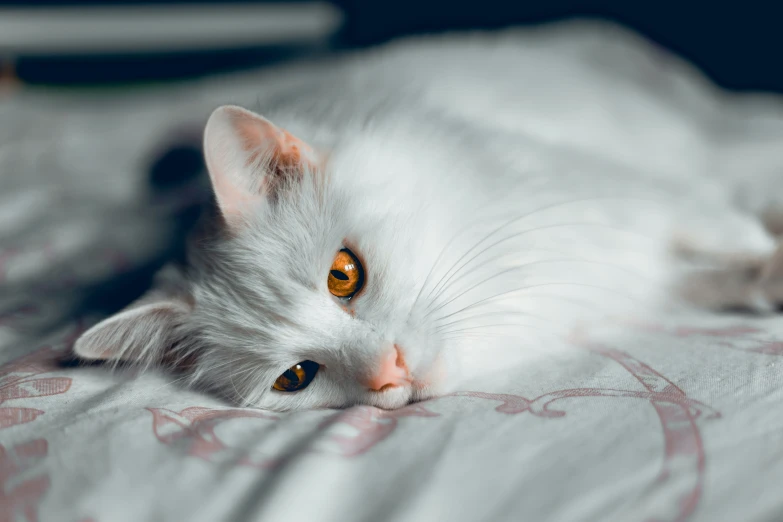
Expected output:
(739, 44)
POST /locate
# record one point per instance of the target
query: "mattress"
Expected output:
(676, 423)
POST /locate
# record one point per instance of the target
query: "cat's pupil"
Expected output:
(339, 275)
(345, 275)
(291, 376)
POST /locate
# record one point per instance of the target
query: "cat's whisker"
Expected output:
(520, 219)
(490, 314)
(244, 400)
(527, 251)
(533, 263)
(450, 242)
(495, 336)
(435, 265)
(495, 325)
(252, 376)
(478, 333)
(539, 285)
(517, 235)
(578, 302)
(494, 276)
(492, 329)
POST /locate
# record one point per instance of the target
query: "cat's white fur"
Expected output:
(499, 190)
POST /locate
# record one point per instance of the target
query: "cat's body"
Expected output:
(496, 192)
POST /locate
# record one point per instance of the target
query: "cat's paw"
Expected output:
(773, 220)
(761, 196)
(748, 283)
(771, 279)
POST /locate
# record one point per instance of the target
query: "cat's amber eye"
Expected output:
(346, 276)
(297, 377)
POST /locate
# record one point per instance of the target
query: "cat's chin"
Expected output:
(389, 399)
(399, 397)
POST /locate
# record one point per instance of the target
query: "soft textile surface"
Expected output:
(678, 423)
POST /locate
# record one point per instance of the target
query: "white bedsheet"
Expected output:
(681, 423)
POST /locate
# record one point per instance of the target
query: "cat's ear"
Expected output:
(248, 157)
(146, 332)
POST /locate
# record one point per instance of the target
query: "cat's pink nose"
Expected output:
(391, 373)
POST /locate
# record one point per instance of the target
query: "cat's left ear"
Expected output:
(146, 332)
(248, 158)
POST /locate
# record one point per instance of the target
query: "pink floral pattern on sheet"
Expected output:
(195, 428)
(683, 443)
(21, 380)
(21, 486)
(371, 426)
(736, 337)
(20, 495)
(683, 447)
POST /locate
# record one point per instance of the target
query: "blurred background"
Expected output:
(99, 42)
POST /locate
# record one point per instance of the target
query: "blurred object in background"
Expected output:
(737, 45)
(92, 41)
(8, 79)
(97, 42)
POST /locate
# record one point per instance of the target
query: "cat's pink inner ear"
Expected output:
(268, 147)
(247, 156)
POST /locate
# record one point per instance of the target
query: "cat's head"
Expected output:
(318, 290)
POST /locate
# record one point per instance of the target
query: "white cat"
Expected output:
(441, 208)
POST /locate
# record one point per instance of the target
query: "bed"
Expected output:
(677, 424)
